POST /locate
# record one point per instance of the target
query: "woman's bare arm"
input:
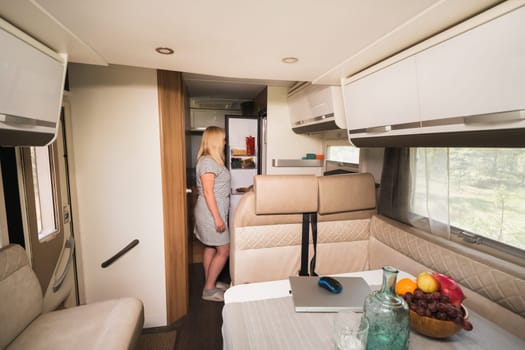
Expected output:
(208, 180)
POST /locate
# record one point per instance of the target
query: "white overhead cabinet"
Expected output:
(299, 108)
(317, 108)
(384, 98)
(474, 81)
(478, 72)
(31, 86)
(321, 102)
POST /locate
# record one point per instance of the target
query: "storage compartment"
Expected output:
(317, 109)
(466, 91)
(32, 80)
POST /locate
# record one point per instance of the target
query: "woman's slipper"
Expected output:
(213, 294)
(222, 286)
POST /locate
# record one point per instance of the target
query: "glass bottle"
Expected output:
(387, 315)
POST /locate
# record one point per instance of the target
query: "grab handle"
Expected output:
(123, 251)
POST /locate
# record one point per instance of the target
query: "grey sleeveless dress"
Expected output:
(204, 224)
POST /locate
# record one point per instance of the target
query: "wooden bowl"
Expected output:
(434, 328)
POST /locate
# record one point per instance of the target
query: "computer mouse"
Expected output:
(330, 284)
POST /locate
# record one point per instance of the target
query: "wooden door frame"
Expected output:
(173, 170)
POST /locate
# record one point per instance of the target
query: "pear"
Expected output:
(427, 283)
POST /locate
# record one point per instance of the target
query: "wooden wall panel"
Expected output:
(173, 164)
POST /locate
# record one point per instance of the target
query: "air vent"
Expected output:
(297, 87)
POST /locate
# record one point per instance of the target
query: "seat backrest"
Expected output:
(20, 293)
(346, 205)
(267, 226)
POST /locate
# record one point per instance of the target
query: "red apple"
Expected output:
(450, 288)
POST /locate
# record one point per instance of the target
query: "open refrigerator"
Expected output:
(242, 154)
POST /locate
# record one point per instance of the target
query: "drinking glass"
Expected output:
(350, 330)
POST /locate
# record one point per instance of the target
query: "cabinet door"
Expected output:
(480, 71)
(26, 74)
(202, 118)
(386, 97)
(299, 108)
(320, 101)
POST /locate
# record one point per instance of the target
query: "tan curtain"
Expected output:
(415, 188)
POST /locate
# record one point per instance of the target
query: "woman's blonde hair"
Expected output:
(212, 144)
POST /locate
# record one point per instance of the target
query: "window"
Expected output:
(343, 154)
(39, 165)
(478, 193)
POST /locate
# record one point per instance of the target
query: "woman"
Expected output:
(211, 210)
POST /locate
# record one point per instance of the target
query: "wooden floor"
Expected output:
(201, 328)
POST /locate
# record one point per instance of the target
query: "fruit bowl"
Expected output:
(434, 328)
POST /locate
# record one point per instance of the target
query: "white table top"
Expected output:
(281, 288)
(261, 316)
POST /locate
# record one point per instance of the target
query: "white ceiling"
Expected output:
(242, 40)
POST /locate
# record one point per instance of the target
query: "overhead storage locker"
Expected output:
(31, 86)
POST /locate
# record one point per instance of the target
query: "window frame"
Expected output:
(486, 244)
(29, 181)
(473, 240)
(331, 165)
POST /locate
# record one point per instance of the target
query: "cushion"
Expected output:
(344, 193)
(112, 324)
(20, 293)
(285, 194)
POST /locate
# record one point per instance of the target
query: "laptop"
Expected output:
(309, 297)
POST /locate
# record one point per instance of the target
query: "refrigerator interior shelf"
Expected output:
(297, 163)
(243, 163)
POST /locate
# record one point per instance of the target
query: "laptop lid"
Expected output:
(309, 297)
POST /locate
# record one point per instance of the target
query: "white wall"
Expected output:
(117, 193)
(282, 142)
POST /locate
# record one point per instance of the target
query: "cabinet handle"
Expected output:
(496, 118)
(16, 121)
(379, 129)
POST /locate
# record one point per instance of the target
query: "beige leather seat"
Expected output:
(346, 205)
(267, 225)
(112, 324)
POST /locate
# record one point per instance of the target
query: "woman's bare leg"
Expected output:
(216, 264)
(207, 257)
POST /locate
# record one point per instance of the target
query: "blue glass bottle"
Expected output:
(387, 315)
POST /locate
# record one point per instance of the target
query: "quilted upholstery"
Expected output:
(20, 293)
(258, 237)
(12, 258)
(499, 286)
(343, 231)
(112, 324)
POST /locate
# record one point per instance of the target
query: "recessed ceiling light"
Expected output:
(290, 59)
(164, 50)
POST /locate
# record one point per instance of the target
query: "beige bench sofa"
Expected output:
(266, 239)
(112, 324)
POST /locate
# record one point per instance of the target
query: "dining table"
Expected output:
(262, 316)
